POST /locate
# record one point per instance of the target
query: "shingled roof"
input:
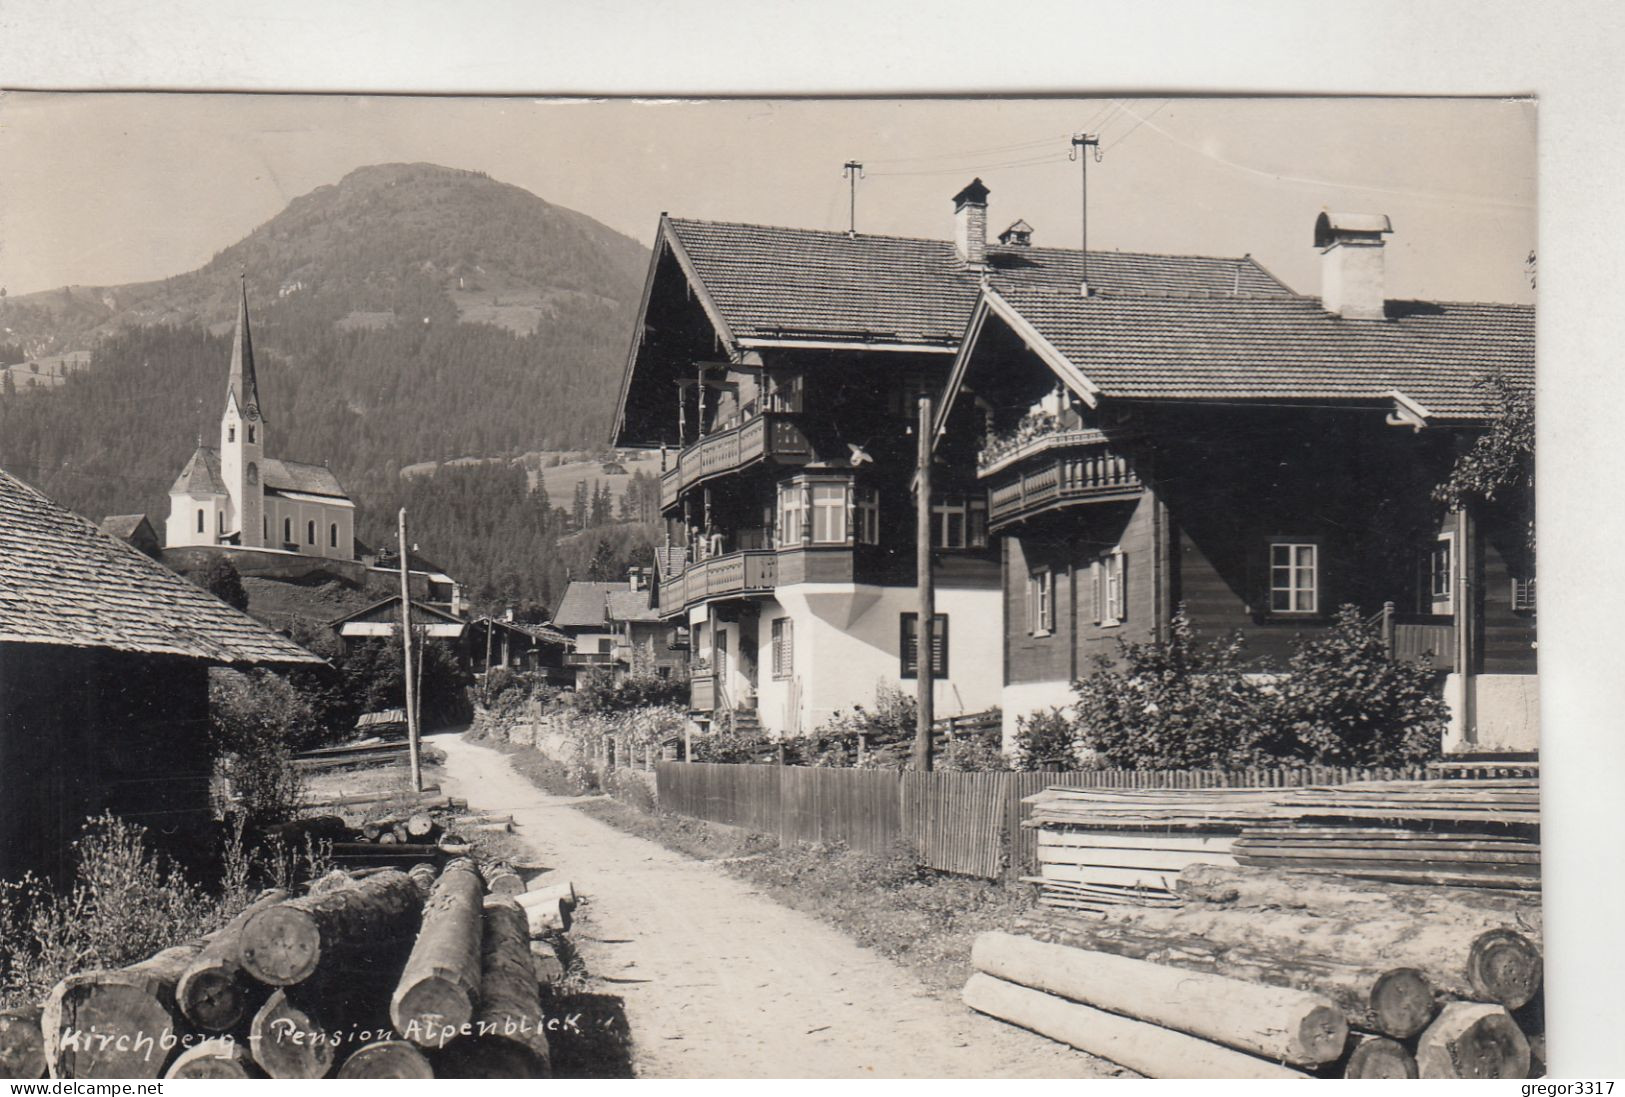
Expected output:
(1435, 354)
(583, 605)
(201, 476)
(297, 476)
(64, 582)
(631, 605)
(784, 284)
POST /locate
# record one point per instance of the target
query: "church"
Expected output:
(235, 495)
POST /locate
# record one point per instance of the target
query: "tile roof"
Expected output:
(201, 476)
(297, 476)
(1282, 348)
(631, 605)
(63, 581)
(785, 283)
(583, 605)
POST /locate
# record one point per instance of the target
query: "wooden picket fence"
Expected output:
(967, 823)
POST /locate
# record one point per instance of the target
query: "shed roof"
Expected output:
(65, 582)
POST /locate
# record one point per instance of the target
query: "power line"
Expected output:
(1037, 142)
(1124, 136)
(957, 170)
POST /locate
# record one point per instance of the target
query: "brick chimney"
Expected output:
(970, 224)
(1352, 282)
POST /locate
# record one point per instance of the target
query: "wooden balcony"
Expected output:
(1092, 474)
(733, 573)
(589, 658)
(771, 436)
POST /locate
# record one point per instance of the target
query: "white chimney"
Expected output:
(1352, 282)
(970, 224)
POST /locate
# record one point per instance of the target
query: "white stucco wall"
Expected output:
(300, 514)
(180, 528)
(1507, 708)
(1025, 698)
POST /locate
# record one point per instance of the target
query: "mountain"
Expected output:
(408, 313)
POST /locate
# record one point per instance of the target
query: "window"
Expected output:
(231, 434)
(909, 646)
(1110, 578)
(829, 514)
(867, 517)
(333, 535)
(1440, 575)
(958, 522)
(251, 434)
(310, 533)
(265, 527)
(1294, 577)
(200, 526)
(287, 530)
(605, 645)
(792, 513)
(1040, 602)
(220, 521)
(784, 643)
(1523, 595)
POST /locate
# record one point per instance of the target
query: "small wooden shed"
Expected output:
(104, 693)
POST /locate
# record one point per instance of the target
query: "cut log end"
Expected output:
(22, 1045)
(1402, 1002)
(212, 997)
(287, 1042)
(132, 1029)
(281, 946)
(1473, 1040)
(1504, 967)
(387, 1059)
(1322, 1036)
(1380, 1057)
(216, 1058)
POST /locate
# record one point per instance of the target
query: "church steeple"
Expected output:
(242, 384)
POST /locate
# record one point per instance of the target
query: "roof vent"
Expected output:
(1352, 282)
(1018, 235)
(970, 224)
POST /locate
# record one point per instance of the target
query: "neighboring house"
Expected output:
(134, 530)
(784, 367)
(503, 642)
(382, 619)
(616, 627)
(104, 692)
(1260, 458)
(235, 495)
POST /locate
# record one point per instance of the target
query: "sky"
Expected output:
(108, 188)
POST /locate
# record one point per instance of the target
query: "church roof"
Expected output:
(201, 476)
(243, 384)
(64, 582)
(298, 476)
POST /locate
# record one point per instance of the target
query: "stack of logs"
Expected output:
(1274, 974)
(401, 831)
(373, 974)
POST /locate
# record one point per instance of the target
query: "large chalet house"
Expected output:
(779, 371)
(1254, 455)
(615, 627)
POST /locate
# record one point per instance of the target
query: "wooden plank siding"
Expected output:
(966, 823)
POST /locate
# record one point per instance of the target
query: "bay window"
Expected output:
(867, 516)
(829, 514)
(792, 513)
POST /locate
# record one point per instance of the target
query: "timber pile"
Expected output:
(1431, 981)
(367, 975)
(367, 752)
(1104, 847)
(389, 723)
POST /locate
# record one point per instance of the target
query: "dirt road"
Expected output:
(719, 981)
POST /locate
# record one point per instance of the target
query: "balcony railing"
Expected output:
(735, 573)
(769, 436)
(589, 658)
(1090, 474)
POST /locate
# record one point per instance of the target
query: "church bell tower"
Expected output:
(242, 438)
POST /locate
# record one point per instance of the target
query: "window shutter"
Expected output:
(1032, 605)
(939, 645)
(1095, 580)
(1122, 587)
(906, 644)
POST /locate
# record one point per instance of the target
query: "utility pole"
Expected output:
(853, 172)
(1085, 141)
(923, 632)
(487, 686)
(407, 684)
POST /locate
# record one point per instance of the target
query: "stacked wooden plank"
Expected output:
(390, 722)
(1101, 847)
(1426, 981)
(375, 751)
(378, 974)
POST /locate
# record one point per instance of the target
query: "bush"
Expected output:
(1044, 738)
(1179, 704)
(126, 904)
(1345, 702)
(220, 578)
(972, 754)
(257, 720)
(603, 693)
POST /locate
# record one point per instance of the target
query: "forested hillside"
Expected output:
(410, 313)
